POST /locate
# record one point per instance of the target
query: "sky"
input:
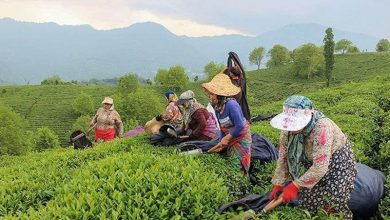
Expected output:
(210, 17)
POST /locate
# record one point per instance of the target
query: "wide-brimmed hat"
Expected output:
(185, 96)
(221, 85)
(297, 113)
(108, 100)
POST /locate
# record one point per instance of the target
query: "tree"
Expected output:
(256, 56)
(196, 78)
(53, 80)
(343, 45)
(383, 45)
(13, 137)
(328, 54)
(83, 104)
(353, 49)
(175, 78)
(128, 83)
(308, 59)
(279, 55)
(212, 68)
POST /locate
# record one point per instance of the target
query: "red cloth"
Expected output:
(290, 192)
(106, 135)
(275, 190)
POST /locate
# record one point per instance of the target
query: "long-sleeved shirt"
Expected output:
(108, 119)
(325, 139)
(203, 125)
(232, 116)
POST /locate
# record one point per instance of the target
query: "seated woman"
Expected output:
(236, 141)
(199, 124)
(316, 155)
(172, 113)
(105, 121)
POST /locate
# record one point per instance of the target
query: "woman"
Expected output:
(316, 155)
(172, 113)
(105, 121)
(236, 139)
(199, 124)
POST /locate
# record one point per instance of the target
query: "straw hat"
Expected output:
(221, 85)
(108, 100)
(297, 113)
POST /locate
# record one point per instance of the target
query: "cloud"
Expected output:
(197, 18)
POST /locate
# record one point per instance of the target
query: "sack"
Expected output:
(165, 136)
(79, 140)
(262, 149)
(153, 126)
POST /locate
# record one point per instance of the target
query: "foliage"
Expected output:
(307, 60)
(83, 104)
(128, 83)
(279, 55)
(383, 45)
(353, 49)
(44, 139)
(329, 55)
(175, 78)
(142, 105)
(211, 69)
(14, 139)
(53, 80)
(256, 56)
(343, 45)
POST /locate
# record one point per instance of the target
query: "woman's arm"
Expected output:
(169, 113)
(200, 117)
(281, 172)
(237, 118)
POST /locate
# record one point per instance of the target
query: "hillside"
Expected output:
(51, 105)
(145, 182)
(32, 52)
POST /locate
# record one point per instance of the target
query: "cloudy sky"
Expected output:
(210, 17)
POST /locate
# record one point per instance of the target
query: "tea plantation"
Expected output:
(131, 179)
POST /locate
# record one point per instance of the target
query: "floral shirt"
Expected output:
(325, 139)
(173, 115)
(108, 119)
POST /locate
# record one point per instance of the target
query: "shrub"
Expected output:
(83, 104)
(44, 138)
(14, 139)
(142, 105)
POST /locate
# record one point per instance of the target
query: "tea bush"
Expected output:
(139, 186)
(44, 139)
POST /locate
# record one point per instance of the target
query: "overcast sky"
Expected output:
(208, 17)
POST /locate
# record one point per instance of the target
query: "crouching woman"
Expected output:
(316, 155)
(236, 138)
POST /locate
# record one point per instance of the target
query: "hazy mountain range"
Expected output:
(30, 52)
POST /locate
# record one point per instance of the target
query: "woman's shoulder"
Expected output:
(232, 102)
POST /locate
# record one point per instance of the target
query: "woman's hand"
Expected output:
(221, 145)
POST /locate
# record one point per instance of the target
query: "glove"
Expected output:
(274, 192)
(158, 117)
(290, 192)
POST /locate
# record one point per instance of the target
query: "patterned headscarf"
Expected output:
(295, 153)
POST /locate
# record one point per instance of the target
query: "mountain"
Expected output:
(30, 52)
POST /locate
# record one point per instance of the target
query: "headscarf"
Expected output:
(295, 153)
(193, 105)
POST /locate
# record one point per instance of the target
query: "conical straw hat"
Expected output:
(221, 85)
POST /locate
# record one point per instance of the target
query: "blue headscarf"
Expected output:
(168, 93)
(295, 154)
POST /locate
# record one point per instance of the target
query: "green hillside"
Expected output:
(130, 179)
(50, 105)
